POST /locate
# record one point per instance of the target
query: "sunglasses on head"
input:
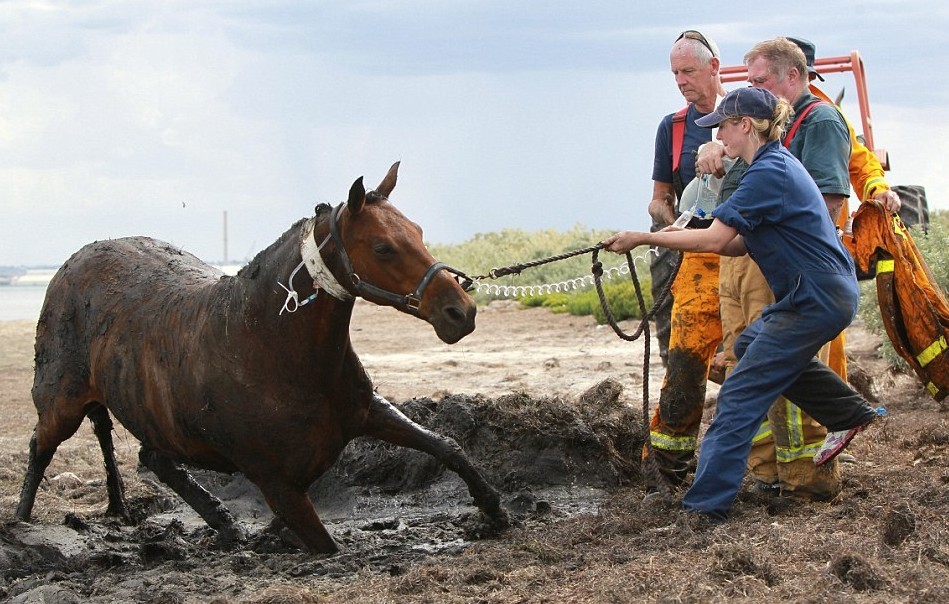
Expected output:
(691, 34)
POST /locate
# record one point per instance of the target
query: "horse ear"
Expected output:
(388, 183)
(357, 196)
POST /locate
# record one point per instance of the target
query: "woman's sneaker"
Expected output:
(835, 442)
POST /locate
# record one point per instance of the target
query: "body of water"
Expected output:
(21, 302)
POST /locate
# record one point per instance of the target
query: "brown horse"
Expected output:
(234, 374)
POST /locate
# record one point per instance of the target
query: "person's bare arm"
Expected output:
(834, 204)
(718, 238)
(662, 205)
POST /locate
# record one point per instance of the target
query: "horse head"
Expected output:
(382, 258)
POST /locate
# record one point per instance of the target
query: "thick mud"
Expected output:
(388, 507)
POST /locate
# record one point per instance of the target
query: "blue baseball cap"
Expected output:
(742, 102)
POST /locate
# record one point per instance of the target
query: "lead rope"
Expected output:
(515, 269)
(650, 465)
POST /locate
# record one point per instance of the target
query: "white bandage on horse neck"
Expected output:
(316, 267)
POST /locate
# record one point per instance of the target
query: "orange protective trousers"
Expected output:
(696, 334)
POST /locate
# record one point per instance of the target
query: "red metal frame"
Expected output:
(826, 65)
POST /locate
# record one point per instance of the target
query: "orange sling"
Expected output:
(914, 309)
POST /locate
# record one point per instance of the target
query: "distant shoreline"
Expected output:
(22, 295)
(22, 302)
(40, 277)
(34, 277)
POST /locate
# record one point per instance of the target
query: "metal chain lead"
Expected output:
(568, 285)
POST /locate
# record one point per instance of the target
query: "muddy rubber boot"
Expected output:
(801, 479)
(666, 472)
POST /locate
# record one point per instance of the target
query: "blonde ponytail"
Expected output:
(772, 129)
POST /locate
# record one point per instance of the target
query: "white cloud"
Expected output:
(911, 137)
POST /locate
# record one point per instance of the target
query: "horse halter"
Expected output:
(312, 257)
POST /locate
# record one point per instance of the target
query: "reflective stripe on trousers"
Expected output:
(777, 356)
(696, 334)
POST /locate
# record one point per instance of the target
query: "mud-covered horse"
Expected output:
(236, 374)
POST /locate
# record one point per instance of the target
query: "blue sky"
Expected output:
(155, 118)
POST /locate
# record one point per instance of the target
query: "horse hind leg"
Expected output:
(35, 469)
(391, 425)
(209, 507)
(55, 425)
(102, 426)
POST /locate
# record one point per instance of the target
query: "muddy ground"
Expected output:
(549, 406)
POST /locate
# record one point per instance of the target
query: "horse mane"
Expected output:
(321, 211)
(252, 269)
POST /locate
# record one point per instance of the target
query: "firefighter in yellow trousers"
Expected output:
(695, 330)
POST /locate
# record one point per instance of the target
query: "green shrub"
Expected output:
(932, 245)
(554, 302)
(623, 301)
(584, 303)
(534, 301)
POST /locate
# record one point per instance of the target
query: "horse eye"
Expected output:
(383, 250)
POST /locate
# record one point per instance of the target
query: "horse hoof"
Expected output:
(122, 514)
(485, 526)
(231, 538)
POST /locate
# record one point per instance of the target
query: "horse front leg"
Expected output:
(295, 509)
(391, 425)
(36, 467)
(57, 422)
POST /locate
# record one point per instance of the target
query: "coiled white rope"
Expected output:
(569, 285)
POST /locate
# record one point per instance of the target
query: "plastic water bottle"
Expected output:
(709, 187)
(684, 218)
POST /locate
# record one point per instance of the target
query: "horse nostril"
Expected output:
(459, 314)
(455, 314)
